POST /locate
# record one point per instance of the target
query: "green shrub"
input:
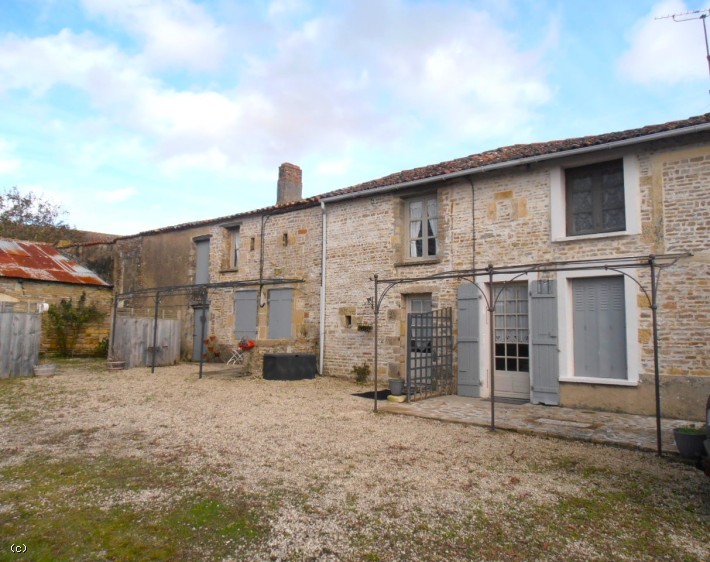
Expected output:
(66, 322)
(362, 373)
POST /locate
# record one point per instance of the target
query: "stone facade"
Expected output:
(512, 216)
(508, 216)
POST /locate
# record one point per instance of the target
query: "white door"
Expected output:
(512, 346)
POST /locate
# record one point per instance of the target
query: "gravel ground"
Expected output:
(344, 481)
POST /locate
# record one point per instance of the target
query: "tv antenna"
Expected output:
(694, 15)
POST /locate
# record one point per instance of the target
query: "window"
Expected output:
(595, 198)
(280, 304)
(511, 328)
(246, 308)
(422, 225)
(599, 326)
(235, 242)
(422, 326)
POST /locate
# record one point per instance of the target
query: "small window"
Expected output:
(595, 198)
(235, 242)
(348, 321)
(422, 227)
(252, 244)
(284, 239)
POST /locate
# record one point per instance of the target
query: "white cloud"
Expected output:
(8, 162)
(662, 51)
(337, 83)
(116, 195)
(175, 33)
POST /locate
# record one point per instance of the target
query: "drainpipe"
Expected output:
(473, 228)
(321, 336)
(264, 218)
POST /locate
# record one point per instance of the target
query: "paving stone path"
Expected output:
(622, 430)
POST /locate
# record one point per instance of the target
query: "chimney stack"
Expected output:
(290, 186)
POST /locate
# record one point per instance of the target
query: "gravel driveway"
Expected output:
(343, 483)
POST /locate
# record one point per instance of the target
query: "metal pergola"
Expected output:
(200, 290)
(655, 264)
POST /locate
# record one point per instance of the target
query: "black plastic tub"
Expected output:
(289, 366)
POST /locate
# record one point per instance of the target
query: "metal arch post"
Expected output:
(203, 321)
(656, 366)
(491, 337)
(113, 327)
(155, 331)
(652, 300)
(376, 307)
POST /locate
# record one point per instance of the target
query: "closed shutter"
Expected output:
(202, 262)
(599, 327)
(280, 305)
(245, 311)
(469, 380)
(545, 340)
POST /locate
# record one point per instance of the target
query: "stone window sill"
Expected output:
(422, 261)
(592, 380)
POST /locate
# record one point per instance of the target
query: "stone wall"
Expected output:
(33, 292)
(511, 212)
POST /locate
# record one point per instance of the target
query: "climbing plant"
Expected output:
(66, 321)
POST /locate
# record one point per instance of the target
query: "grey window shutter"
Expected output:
(545, 341)
(245, 310)
(280, 305)
(469, 380)
(202, 265)
(599, 327)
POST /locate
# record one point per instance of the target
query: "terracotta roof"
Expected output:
(42, 262)
(519, 152)
(498, 156)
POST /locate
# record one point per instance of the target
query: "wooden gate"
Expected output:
(133, 342)
(19, 343)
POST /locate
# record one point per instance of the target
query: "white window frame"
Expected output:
(424, 199)
(632, 201)
(565, 319)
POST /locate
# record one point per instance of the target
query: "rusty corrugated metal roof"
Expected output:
(42, 262)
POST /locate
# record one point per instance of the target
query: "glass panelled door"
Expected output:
(512, 346)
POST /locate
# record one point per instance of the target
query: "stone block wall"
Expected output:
(34, 292)
(511, 213)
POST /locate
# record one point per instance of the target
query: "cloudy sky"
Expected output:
(137, 114)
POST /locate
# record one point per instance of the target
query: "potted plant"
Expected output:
(689, 441)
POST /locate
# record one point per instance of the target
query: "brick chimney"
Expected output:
(290, 186)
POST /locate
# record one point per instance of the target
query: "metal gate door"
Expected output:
(429, 354)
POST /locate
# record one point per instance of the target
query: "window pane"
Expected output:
(595, 198)
(415, 210)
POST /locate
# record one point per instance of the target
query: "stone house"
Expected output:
(298, 275)
(33, 274)
(261, 268)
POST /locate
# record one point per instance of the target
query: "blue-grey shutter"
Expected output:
(469, 380)
(280, 305)
(202, 262)
(545, 341)
(599, 327)
(246, 307)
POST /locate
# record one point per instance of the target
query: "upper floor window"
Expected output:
(595, 198)
(235, 241)
(422, 227)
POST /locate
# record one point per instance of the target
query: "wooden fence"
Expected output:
(19, 343)
(133, 342)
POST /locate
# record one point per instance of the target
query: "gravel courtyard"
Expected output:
(317, 476)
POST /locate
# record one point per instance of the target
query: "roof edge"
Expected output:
(703, 127)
